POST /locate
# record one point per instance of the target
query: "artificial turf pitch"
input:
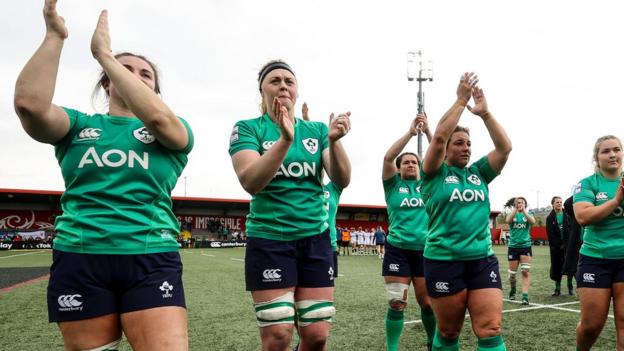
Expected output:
(221, 316)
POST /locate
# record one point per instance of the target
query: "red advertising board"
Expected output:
(27, 220)
(204, 222)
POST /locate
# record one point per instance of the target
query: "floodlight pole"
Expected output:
(420, 99)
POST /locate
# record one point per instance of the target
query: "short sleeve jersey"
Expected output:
(457, 201)
(606, 238)
(332, 197)
(291, 206)
(520, 232)
(406, 213)
(118, 183)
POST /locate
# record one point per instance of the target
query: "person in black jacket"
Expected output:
(557, 228)
(575, 239)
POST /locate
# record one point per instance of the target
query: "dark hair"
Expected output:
(526, 204)
(268, 67)
(398, 160)
(457, 129)
(105, 81)
(552, 201)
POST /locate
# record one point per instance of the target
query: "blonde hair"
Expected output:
(597, 148)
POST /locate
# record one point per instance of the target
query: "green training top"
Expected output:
(406, 213)
(118, 182)
(559, 217)
(291, 206)
(457, 201)
(606, 238)
(520, 232)
(332, 197)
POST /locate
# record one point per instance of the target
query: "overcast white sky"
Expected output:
(552, 72)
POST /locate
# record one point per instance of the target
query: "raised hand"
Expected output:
(480, 107)
(619, 194)
(101, 42)
(467, 81)
(419, 124)
(339, 126)
(304, 112)
(55, 24)
(282, 119)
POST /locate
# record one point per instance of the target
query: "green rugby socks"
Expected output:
(394, 328)
(429, 322)
(494, 343)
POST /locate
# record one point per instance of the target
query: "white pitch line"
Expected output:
(537, 304)
(553, 307)
(29, 253)
(237, 259)
(203, 254)
(532, 306)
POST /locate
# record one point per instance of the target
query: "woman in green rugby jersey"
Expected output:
(599, 207)
(519, 252)
(403, 261)
(461, 270)
(289, 261)
(115, 261)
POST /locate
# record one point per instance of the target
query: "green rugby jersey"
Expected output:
(292, 205)
(118, 183)
(457, 201)
(606, 238)
(520, 232)
(406, 213)
(332, 197)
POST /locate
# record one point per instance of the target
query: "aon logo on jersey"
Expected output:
(297, 170)
(412, 202)
(468, 195)
(519, 225)
(114, 158)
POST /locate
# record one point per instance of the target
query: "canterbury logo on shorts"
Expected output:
(442, 287)
(70, 302)
(272, 275)
(589, 278)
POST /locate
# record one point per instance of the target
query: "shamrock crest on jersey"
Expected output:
(474, 179)
(267, 144)
(311, 145)
(143, 135)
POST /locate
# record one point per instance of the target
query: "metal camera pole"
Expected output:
(421, 73)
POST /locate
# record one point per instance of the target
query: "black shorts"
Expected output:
(514, 253)
(345, 243)
(84, 286)
(381, 244)
(399, 262)
(275, 264)
(445, 278)
(599, 273)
